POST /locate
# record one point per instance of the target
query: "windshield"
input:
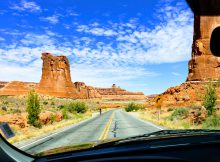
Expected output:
(74, 74)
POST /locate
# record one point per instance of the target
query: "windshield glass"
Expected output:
(74, 74)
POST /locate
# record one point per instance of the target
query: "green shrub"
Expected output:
(209, 101)
(5, 102)
(52, 118)
(65, 113)
(133, 107)
(45, 102)
(13, 111)
(170, 109)
(33, 108)
(211, 122)
(37, 124)
(4, 108)
(52, 103)
(78, 107)
(178, 113)
(60, 107)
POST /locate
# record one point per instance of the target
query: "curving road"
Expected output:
(111, 124)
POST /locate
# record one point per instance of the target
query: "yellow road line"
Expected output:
(105, 131)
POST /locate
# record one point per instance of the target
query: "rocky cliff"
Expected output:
(15, 88)
(117, 93)
(203, 64)
(56, 79)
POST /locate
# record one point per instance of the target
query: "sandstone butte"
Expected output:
(56, 81)
(203, 65)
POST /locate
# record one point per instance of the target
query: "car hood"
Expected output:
(118, 141)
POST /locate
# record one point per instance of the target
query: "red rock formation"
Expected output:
(56, 79)
(116, 93)
(203, 64)
(86, 92)
(15, 88)
(2, 84)
(59, 116)
(17, 120)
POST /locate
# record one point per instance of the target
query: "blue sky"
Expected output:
(140, 45)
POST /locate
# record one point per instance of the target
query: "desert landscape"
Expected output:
(38, 109)
(57, 92)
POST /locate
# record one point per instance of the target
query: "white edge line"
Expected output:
(39, 140)
(147, 122)
(57, 132)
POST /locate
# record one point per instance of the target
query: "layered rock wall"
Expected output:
(56, 79)
(2, 84)
(117, 93)
(204, 65)
(15, 88)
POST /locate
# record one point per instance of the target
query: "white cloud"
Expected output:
(2, 39)
(96, 30)
(107, 74)
(13, 71)
(176, 74)
(130, 46)
(26, 6)
(54, 19)
(168, 41)
(71, 12)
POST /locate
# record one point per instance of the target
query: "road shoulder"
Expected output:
(23, 145)
(137, 116)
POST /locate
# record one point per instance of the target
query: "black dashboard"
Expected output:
(182, 149)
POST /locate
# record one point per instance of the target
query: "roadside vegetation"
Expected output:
(33, 109)
(133, 107)
(34, 115)
(33, 132)
(202, 116)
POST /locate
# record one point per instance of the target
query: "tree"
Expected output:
(33, 108)
(209, 101)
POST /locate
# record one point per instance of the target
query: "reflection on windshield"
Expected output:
(80, 74)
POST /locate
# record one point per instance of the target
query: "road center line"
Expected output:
(105, 131)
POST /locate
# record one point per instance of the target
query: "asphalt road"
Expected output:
(112, 124)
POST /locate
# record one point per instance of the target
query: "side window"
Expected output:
(215, 42)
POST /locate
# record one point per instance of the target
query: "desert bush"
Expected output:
(4, 108)
(5, 102)
(133, 107)
(52, 118)
(13, 111)
(170, 109)
(65, 113)
(37, 124)
(78, 107)
(211, 122)
(60, 107)
(45, 102)
(33, 108)
(197, 115)
(178, 113)
(52, 103)
(209, 100)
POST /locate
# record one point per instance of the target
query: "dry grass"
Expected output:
(31, 132)
(151, 115)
